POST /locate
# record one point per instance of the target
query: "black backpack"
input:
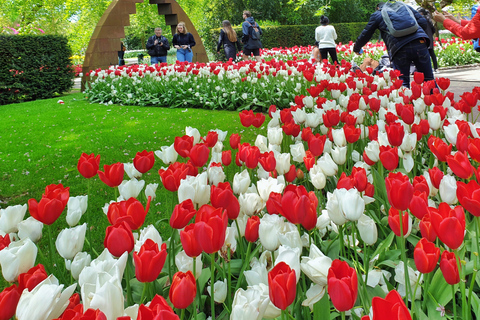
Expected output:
(255, 31)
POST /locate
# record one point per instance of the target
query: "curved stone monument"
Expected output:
(102, 50)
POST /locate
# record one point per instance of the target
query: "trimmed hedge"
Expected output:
(293, 35)
(34, 67)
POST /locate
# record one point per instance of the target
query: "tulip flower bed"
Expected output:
(361, 199)
(237, 86)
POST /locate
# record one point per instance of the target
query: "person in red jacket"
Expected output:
(465, 29)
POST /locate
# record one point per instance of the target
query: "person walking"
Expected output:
(251, 37)
(430, 31)
(157, 46)
(403, 50)
(325, 35)
(183, 41)
(228, 37)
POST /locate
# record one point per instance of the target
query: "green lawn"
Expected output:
(41, 142)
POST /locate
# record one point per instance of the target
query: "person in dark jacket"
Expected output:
(250, 45)
(402, 50)
(430, 31)
(183, 41)
(228, 37)
(158, 46)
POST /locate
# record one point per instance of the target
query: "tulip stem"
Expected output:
(428, 278)
(212, 283)
(127, 281)
(462, 284)
(401, 240)
(343, 315)
(244, 266)
(475, 265)
(87, 219)
(454, 303)
(240, 240)
(197, 295)
(144, 292)
(50, 242)
(171, 253)
(182, 314)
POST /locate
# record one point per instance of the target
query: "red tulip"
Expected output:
(420, 184)
(443, 83)
(51, 205)
(258, 120)
(469, 196)
(426, 228)
(251, 229)
(174, 174)
(342, 285)
(291, 174)
(183, 145)
(274, 202)
(449, 224)
(390, 308)
(246, 118)
(211, 139)
(419, 204)
(77, 313)
(252, 154)
(389, 157)
(267, 161)
(32, 278)
(460, 165)
(8, 302)
(113, 175)
(222, 196)
(149, 261)
(189, 242)
(210, 228)
(316, 144)
(119, 238)
(474, 149)
(282, 285)
(199, 155)
(182, 214)
(360, 180)
(306, 133)
(4, 241)
(439, 148)
(144, 161)
(395, 133)
(183, 289)
(130, 211)
(436, 176)
(309, 160)
(157, 309)
(394, 221)
(235, 140)
(449, 267)
(226, 157)
(331, 118)
(88, 165)
(291, 129)
(373, 132)
(73, 302)
(426, 256)
(399, 190)
(418, 77)
(299, 206)
(352, 134)
(272, 109)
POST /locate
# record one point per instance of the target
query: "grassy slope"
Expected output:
(41, 142)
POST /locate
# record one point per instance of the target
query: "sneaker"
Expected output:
(436, 71)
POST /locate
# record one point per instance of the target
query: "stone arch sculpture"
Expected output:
(102, 50)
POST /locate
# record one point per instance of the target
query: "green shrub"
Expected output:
(294, 35)
(34, 67)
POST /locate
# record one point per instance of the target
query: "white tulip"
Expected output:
(368, 229)
(131, 171)
(250, 304)
(215, 175)
(313, 119)
(30, 228)
(76, 207)
(290, 256)
(282, 162)
(149, 232)
(250, 203)
(266, 186)
(261, 142)
(316, 265)
(17, 258)
(70, 241)
(339, 137)
(33, 305)
(339, 155)
(269, 230)
(314, 294)
(167, 154)
(299, 116)
(275, 135)
(434, 120)
(297, 151)
(448, 189)
(131, 188)
(193, 132)
(328, 166)
(151, 190)
(80, 261)
(241, 182)
(11, 216)
(258, 272)
(220, 290)
(184, 263)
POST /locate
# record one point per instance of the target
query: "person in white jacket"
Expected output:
(325, 35)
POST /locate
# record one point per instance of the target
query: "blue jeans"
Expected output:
(184, 55)
(155, 60)
(415, 51)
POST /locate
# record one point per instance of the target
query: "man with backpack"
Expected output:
(251, 37)
(402, 30)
